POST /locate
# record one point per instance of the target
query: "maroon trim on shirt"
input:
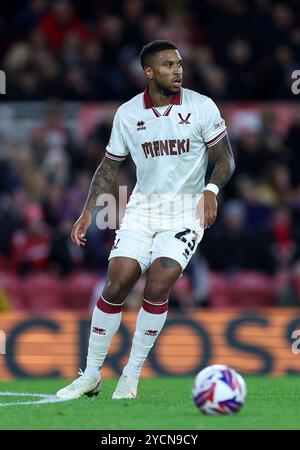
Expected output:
(157, 113)
(216, 137)
(167, 111)
(116, 156)
(176, 100)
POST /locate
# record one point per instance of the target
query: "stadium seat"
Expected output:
(11, 287)
(79, 288)
(44, 292)
(252, 289)
(219, 291)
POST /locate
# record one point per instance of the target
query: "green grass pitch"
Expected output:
(164, 403)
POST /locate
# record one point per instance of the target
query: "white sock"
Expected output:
(106, 320)
(150, 321)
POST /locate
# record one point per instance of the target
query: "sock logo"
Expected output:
(151, 332)
(98, 330)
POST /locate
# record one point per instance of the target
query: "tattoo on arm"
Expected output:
(102, 181)
(224, 162)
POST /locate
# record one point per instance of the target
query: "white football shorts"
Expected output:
(146, 242)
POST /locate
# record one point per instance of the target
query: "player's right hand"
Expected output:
(80, 228)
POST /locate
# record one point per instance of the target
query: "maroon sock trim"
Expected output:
(108, 307)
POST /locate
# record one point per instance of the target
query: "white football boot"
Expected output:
(83, 385)
(126, 387)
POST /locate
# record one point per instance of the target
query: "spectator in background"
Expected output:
(22, 163)
(251, 154)
(241, 81)
(110, 32)
(52, 134)
(258, 213)
(11, 219)
(275, 187)
(58, 23)
(278, 246)
(292, 142)
(9, 177)
(62, 260)
(133, 11)
(231, 247)
(53, 203)
(207, 74)
(92, 60)
(30, 246)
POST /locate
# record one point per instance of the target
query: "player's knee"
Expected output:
(115, 291)
(156, 291)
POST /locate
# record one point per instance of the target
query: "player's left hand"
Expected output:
(207, 209)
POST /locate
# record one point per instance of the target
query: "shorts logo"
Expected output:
(151, 332)
(140, 125)
(184, 121)
(99, 330)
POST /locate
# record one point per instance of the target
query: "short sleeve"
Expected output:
(214, 128)
(116, 148)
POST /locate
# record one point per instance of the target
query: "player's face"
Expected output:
(166, 71)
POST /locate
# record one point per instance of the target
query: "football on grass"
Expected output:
(219, 389)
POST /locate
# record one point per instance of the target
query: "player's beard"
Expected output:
(167, 92)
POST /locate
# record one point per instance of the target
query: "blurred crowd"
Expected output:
(75, 50)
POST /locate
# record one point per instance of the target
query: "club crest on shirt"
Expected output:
(184, 121)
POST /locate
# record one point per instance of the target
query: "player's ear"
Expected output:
(148, 72)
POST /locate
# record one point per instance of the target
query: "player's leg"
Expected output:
(161, 276)
(171, 253)
(122, 274)
(129, 257)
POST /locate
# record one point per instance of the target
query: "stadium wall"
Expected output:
(265, 341)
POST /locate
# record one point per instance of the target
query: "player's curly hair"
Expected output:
(152, 48)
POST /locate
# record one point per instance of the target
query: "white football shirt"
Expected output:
(169, 148)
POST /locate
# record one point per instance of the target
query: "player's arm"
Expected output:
(224, 165)
(101, 183)
(222, 155)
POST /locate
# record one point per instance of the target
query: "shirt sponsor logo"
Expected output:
(219, 125)
(168, 147)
